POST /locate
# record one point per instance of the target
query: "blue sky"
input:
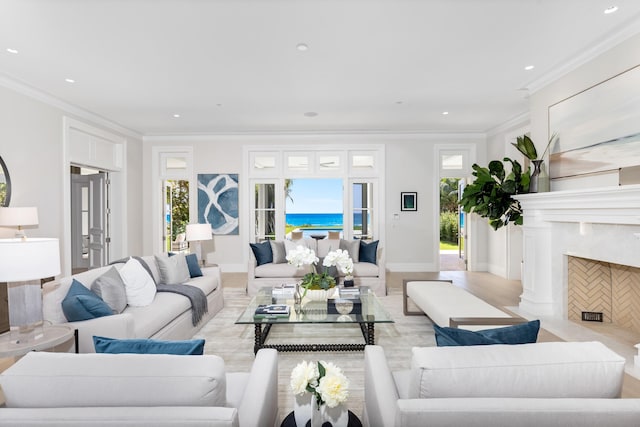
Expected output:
(315, 196)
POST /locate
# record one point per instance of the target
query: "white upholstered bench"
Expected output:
(448, 305)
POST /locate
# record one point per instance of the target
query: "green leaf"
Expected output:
(321, 370)
(525, 146)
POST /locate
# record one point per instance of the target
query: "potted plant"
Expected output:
(319, 285)
(525, 145)
(490, 194)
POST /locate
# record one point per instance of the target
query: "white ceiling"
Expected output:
(233, 66)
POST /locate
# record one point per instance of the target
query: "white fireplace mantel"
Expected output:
(601, 224)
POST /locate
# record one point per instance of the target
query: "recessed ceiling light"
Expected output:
(310, 114)
(176, 116)
(69, 80)
(399, 102)
(610, 10)
(10, 50)
(218, 105)
(444, 113)
(529, 67)
(302, 47)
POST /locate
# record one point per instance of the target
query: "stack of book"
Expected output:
(272, 311)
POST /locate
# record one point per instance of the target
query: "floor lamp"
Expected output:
(23, 263)
(196, 233)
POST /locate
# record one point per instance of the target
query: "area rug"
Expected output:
(234, 343)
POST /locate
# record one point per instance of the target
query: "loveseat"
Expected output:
(169, 315)
(541, 384)
(273, 270)
(63, 389)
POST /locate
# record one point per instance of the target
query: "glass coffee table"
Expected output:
(342, 311)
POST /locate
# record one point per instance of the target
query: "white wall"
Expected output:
(31, 144)
(616, 60)
(409, 241)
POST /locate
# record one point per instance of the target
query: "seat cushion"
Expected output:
(103, 380)
(549, 369)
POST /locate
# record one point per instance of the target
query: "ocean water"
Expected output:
(325, 220)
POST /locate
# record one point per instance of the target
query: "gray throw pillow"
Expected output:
(352, 247)
(279, 252)
(174, 270)
(110, 288)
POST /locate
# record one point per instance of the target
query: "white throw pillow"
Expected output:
(138, 284)
(173, 269)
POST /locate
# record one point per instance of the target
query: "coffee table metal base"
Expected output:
(261, 334)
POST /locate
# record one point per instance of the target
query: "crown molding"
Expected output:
(514, 122)
(598, 48)
(53, 101)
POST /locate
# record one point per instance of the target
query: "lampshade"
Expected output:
(30, 259)
(197, 232)
(13, 217)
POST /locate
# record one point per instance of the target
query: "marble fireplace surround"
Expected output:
(599, 224)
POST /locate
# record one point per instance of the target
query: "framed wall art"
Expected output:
(218, 202)
(409, 201)
(598, 129)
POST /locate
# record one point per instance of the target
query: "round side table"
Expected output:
(290, 421)
(43, 337)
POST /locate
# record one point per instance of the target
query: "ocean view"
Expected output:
(321, 220)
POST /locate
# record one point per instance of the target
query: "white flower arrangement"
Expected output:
(341, 259)
(323, 379)
(301, 255)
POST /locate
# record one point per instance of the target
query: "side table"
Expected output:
(43, 338)
(290, 421)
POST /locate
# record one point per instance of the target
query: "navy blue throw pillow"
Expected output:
(148, 346)
(522, 333)
(368, 251)
(262, 252)
(194, 266)
(81, 303)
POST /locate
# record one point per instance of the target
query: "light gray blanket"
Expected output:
(198, 299)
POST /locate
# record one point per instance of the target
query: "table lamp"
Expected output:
(18, 217)
(23, 262)
(196, 233)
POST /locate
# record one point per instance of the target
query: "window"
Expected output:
(264, 212)
(272, 176)
(362, 225)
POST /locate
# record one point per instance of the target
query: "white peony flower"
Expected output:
(333, 389)
(302, 375)
(339, 258)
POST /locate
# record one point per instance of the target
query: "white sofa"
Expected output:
(167, 317)
(276, 274)
(543, 384)
(64, 389)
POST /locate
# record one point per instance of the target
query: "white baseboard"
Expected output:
(497, 270)
(410, 267)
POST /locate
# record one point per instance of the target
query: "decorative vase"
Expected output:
(302, 408)
(316, 413)
(535, 176)
(337, 416)
(319, 294)
(297, 299)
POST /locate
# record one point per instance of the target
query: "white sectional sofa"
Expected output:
(167, 317)
(543, 384)
(63, 389)
(278, 273)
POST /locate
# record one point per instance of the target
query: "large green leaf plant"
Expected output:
(490, 194)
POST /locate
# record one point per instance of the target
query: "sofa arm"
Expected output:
(115, 326)
(259, 405)
(380, 392)
(212, 271)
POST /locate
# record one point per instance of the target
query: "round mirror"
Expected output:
(5, 184)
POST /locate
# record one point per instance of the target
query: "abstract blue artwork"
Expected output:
(218, 202)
